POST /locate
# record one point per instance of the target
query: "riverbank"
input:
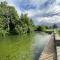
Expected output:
(26, 47)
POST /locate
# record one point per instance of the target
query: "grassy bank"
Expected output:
(15, 48)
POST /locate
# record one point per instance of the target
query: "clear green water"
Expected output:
(26, 47)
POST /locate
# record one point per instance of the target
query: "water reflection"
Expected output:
(38, 44)
(26, 47)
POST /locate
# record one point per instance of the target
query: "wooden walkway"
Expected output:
(52, 49)
(58, 46)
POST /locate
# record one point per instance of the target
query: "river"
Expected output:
(26, 47)
(40, 40)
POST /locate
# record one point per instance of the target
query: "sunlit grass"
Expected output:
(15, 48)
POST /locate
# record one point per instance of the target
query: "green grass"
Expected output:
(15, 48)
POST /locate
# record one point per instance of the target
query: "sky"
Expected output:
(39, 10)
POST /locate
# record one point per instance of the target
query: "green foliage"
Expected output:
(10, 21)
(58, 31)
(41, 28)
(16, 47)
(8, 13)
(25, 23)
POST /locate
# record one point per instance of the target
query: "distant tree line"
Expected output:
(41, 28)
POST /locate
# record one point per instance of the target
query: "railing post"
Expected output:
(55, 57)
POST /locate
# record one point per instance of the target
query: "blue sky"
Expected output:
(38, 10)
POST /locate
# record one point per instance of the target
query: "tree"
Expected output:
(54, 26)
(10, 21)
(25, 22)
(3, 4)
(8, 17)
(40, 28)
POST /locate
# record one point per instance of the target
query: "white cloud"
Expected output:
(32, 12)
(53, 8)
(57, 1)
(54, 19)
(56, 8)
(37, 2)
